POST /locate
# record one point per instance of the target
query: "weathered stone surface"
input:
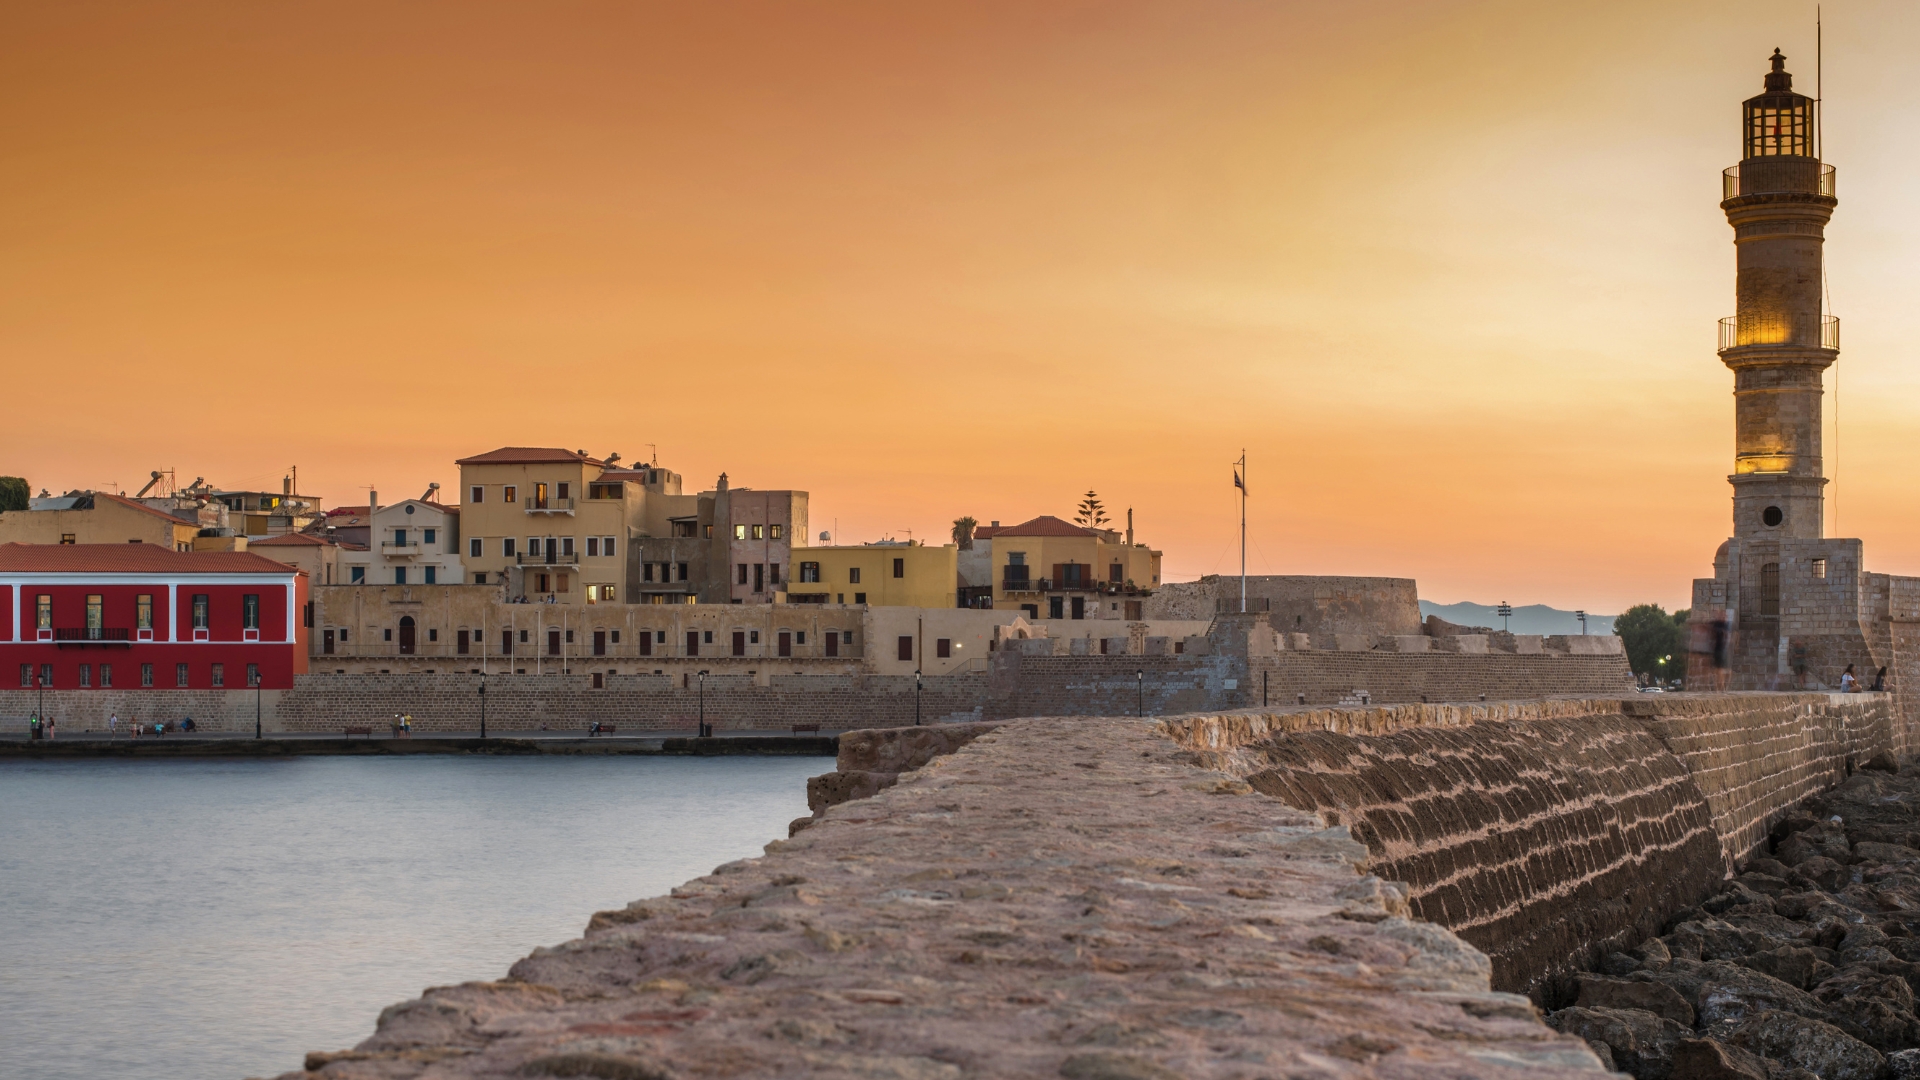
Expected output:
(1904, 1065)
(1641, 1043)
(1730, 994)
(1710, 1059)
(1653, 997)
(1045, 902)
(1821, 1049)
(1790, 965)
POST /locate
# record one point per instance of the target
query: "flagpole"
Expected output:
(1243, 530)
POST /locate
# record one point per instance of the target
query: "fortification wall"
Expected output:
(1303, 603)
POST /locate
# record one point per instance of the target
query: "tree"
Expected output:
(1092, 514)
(1654, 642)
(14, 493)
(963, 533)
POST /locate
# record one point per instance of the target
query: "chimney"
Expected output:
(286, 485)
(723, 483)
(1129, 526)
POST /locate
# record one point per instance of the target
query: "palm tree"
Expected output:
(963, 533)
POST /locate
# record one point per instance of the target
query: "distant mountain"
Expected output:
(1532, 619)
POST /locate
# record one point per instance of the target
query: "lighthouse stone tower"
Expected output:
(1799, 605)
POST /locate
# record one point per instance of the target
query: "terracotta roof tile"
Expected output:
(130, 559)
(290, 540)
(529, 455)
(1044, 525)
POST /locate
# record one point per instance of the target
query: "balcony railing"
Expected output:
(92, 635)
(547, 558)
(397, 550)
(1759, 330)
(548, 506)
(1779, 176)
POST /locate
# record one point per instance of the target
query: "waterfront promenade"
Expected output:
(282, 744)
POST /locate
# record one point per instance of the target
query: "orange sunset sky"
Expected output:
(1448, 271)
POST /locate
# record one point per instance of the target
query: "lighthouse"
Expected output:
(1780, 340)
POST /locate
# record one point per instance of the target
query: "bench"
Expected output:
(350, 732)
(602, 729)
(806, 729)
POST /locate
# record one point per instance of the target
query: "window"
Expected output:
(476, 494)
(46, 676)
(809, 571)
(615, 636)
(250, 611)
(510, 494)
(86, 674)
(474, 547)
(759, 577)
(906, 647)
(180, 675)
(742, 576)
(400, 535)
(739, 532)
(1056, 607)
(800, 637)
(683, 571)
(94, 617)
(506, 547)
(661, 637)
(707, 636)
(562, 581)
(753, 637)
(775, 532)
(433, 633)
(606, 593)
(386, 634)
(709, 532)
(432, 573)
(66, 538)
(566, 546)
(1770, 589)
(593, 546)
(427, 536)
(146, 674)
(943, 647)
(560, 491)
(43, 611)
(253, 674)
(143, 611)
(759, 532)
(358, 575)
(606, 546)
(26, 675)
(773, 573)
(859, 598)
(646, 571)
(684, 528)
(343, 633)
(603, 491)
(219, 674)
(853, 575)
(899, 568)
(399, 575)
(523, 637)
(106, 676)
(1819, 568)
(1113, 573)
(199, 611)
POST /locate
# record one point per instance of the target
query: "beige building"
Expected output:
(317, 556)
(881, 575)
(1052, 569)
(96, 517)
(415, 542)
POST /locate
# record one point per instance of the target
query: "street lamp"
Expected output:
(1505, 611)
(256, 706)
(1140, 693)
(916, 697)
(1582, 616)
(704, 733)
(483, 707)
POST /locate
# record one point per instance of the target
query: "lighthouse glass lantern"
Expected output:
(1779, 122)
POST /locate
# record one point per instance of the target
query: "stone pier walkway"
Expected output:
(1060, 898)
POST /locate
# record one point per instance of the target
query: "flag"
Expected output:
(1237, 482)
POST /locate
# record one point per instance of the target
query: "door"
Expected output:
(786, 643)
(739, 643)
(646, 643)
(1133, 610)
(693, 643)
(599, 643)
(326, 642)
(905, 646)
(1055, 605)
(462, 641)
(1079, 607)
(406, 635)
(553, 643)
(833, 643)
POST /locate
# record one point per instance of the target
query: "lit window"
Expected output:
(775, 532)
(759, 532)
(143, 611)
(1819, 568)
(739, 532)
(43, 611)
(809, 571)
(510, 493)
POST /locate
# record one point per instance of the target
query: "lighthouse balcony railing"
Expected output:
(1736, 332)
(1775, 178)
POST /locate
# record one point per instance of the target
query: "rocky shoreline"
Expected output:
(1805, 965)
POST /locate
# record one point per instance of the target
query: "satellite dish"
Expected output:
(825, 536)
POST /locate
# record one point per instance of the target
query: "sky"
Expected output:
(1447, 272)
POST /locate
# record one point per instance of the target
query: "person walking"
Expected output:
(1848, 684)
(113, 724)
(1722, 645)
(49, 729)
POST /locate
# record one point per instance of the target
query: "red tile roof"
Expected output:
(290, 540)
(529, 455)
(1044, 525)
(130, 559)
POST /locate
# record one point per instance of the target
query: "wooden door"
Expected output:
(739, 643)
(463, 641)
(599, 643)
(326, 640)
(693, 643)
(553, 643)
(786, 643)
(833, 643)
(406, 635)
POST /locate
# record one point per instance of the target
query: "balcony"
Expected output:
(1779, 176)
(1737, 332)
(547, 506)
(83, 636)
(397, 550)
(1023, 585)
(558, 562)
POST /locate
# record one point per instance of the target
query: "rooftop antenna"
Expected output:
(655, 452)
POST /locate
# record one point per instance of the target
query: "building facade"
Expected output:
(126, 616)
(415, 542)
(97, 517)
(881, 575)
(1053, 569)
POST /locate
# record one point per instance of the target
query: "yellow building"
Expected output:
(879, 575)
(554, 525)
(96, 517)
(1053, 569)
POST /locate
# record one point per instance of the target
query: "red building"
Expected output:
(137, 616)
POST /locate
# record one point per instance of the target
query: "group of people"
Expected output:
(38, 728)
(1712, 640)
(1849, 683)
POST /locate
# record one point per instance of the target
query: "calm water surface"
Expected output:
(163, 919)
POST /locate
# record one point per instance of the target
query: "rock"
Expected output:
(1716, 940)
(1863, 936)
(1765, 883)
(1640, 1042)
(1804, 1043)
(1904, 1065)
(1882, 762)
(1710, 1059)
(1777, 929)
(1772, 868)
(1730, 993)
(1790, 965)
(1888, 854)
(1877, 1009)
(1653, 997)
(1795, 821)
(1652, 953)
(1619, 964)
(1821, 841)
(1820, 872)
(1111, 1066)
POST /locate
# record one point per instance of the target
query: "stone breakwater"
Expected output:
(1055, 898)
(1806, 964)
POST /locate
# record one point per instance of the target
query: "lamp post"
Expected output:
(704, 733)
(1140, 692)
(916, 697)
(1505, 611)
(1582, 616)
(483, 707)
(256, 706)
